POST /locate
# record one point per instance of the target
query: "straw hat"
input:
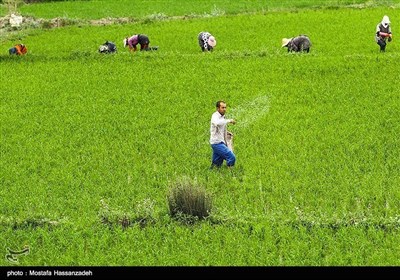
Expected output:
(211, 41)
(285, 41)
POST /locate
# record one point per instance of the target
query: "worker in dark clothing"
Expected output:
(300, 43)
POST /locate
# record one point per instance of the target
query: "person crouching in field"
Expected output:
(138, 39)
(218, 137)
(108, 47)
(18, 49)
(207, 41)
(383, 33)
(300, 43)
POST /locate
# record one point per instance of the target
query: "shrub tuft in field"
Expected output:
(189, 201)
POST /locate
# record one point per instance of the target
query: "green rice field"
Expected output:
(91, 144)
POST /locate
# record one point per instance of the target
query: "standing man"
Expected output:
(218, 137)
(383, 33)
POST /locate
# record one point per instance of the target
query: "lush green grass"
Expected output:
(317, 143)
(96, 9)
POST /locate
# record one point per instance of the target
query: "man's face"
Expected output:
(222, 108)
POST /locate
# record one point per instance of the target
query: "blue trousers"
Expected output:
(220, 153)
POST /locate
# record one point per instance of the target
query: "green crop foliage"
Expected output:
(90, 144)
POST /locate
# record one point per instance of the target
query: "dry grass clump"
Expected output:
(188, 201)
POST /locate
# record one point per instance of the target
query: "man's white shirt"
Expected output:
(218, 131)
